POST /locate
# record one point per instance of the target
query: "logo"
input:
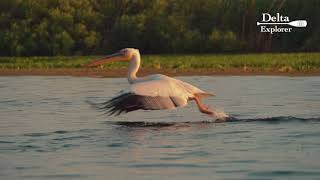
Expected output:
(277, 22)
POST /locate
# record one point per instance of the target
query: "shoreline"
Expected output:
(121, 72)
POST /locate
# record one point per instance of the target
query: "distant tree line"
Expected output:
(85, 27)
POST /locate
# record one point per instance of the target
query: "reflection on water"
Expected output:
(48, 131)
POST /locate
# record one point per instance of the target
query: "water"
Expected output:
(48, 131)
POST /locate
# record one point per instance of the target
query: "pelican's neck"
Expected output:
(134, 67)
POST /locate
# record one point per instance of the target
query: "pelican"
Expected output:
(153, 92)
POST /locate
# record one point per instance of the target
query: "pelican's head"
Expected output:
(125, 54)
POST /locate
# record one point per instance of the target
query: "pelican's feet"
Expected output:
(205, 109)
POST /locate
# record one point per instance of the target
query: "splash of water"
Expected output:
(220, 116)
(277, 119)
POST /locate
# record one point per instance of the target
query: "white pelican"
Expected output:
(151, 92)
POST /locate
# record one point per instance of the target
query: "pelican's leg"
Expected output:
(202, 107)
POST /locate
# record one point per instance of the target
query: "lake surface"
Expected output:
(48, 131)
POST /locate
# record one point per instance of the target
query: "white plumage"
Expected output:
(164, 86)
(152, 92)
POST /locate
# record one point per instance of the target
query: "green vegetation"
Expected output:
(90, 27)
(282, 62)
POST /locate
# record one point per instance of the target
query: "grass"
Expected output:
(263, 62)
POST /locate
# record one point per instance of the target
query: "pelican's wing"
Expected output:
(165, 93)
(130, 102)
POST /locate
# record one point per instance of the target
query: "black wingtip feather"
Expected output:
(128, 102)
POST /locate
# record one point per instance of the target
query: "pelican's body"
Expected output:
(152, 92)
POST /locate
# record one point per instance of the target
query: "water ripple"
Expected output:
(50, 132)
(161, 165)
(277, 173)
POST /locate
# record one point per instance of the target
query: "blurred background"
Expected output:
(88, 27)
